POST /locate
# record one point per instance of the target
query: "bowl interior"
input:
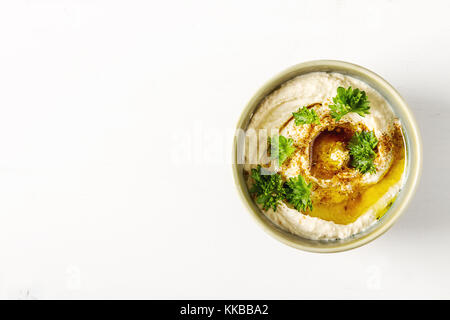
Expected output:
(413, 156)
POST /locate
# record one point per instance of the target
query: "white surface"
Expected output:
(98, 199)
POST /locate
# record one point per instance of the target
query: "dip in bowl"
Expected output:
(326, 156)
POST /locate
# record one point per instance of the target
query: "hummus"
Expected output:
(345, 201)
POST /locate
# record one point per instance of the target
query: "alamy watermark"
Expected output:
(209, 146)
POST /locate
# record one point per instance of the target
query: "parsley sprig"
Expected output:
(305, 116)
(281, 148)
(361, 147)
(349, 100)
(270, 190)
(298, 193)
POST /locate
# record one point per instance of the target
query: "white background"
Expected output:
(106, 191)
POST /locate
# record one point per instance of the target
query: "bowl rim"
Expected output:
(413, 168)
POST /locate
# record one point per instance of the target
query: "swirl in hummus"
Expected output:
(345, 200)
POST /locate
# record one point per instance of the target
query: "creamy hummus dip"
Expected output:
(345, 200)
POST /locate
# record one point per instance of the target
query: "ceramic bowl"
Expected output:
(413, 156)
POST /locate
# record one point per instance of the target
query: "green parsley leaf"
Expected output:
(347, 101)
(361, 147)
(268, 189)
(305, 116)
(298, 193)
(281, 148)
